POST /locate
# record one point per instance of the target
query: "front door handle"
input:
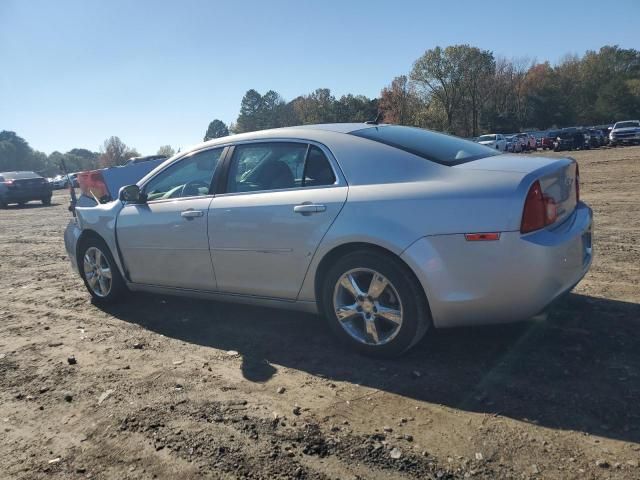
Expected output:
(191, 213)
(309, 208)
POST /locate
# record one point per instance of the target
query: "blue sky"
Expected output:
(74, 72)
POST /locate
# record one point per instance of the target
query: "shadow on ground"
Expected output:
(578, 370)
(30, 205)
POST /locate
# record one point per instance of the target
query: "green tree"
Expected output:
(16, 154)
(217, 129)
(250, 109)
(355, 108)
(440, 72)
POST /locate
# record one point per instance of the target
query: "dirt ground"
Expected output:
(174, 388)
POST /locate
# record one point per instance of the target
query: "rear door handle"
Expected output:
(191, 213)
(309, 208)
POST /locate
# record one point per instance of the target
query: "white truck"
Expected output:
(625, 132)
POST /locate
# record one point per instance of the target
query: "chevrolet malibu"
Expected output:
(386, 231)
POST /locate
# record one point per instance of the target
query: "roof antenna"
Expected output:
(374, 122)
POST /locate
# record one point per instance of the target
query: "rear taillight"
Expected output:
(577, 183)
(540, 210)
(534, 210)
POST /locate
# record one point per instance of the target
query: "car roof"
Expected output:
(307, 132)
(19, 175)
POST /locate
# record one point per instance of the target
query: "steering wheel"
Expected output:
(190, 189)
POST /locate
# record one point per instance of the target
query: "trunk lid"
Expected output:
(557, 177)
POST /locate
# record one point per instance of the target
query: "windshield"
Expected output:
(627, 124)
(486, 138)
(437, 147)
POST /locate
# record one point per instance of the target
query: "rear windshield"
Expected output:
(437, 147)
(18, 175)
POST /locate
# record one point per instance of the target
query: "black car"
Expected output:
(22, 187)
(597, 138)
(569, 139)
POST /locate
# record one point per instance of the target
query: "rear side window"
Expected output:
(437, 147)
(276, 166)
(317, 170)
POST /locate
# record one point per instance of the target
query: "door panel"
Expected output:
(261, 246)
(165, 243)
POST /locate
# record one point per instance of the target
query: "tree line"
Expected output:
(458, 89)
(466, 91)
(17, 154)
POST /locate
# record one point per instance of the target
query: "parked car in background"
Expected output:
(73, 178)
(596, 138)
(537, 135)
(514, 145)
(626, 132)
(527, 142)
(59, 182)
(493, 140)
(291, 217)
(547, 142)
(22, 187)
(101, 186)
(569, 139)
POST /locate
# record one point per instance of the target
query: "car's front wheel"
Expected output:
(99, 271)
(46, 200)
(374, 304)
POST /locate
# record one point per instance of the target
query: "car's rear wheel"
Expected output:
(374, 304)
(100, 272)
(46, 201)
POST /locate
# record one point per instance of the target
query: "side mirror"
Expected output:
(131, 194)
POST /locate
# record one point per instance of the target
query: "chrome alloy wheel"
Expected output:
(367, 306)
(97, 271)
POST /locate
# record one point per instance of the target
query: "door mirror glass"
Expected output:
(131, 194)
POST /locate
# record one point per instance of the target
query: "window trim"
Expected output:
(221, 186)
(187, 155)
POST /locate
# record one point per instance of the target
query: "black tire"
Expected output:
(416, 318)
(118, 287)
(3, 204)
(46, 201)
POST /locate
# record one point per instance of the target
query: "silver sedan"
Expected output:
(387, 231)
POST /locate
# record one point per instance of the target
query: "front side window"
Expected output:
(189, 177)
(277, 166)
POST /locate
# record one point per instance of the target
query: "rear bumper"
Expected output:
(15, 196)
(512, 279)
